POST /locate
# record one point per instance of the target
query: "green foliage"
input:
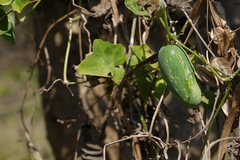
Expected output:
(5, 2)
(160, 85)
(7, 17)
(162, 9)
(208, 99)
(16, 5)
(7, 23)
(144, 74)
(133, 6)
(104, 60)
(146, 9)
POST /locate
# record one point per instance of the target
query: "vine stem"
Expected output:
(134, 25)
(216, 113)
(67, 52)
(143, 134)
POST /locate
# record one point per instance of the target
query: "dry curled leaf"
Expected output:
(150, 5)
(205, 75)
(238, 63)
(222, 64)
(218, 13)
(226, 108)
(232, 52)
(100, 8)
(224, 38)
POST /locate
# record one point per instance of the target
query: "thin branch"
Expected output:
(63, 82)
(141, 135)
(215, 142)
(32, 148)
(83, 10)
(195, 29)
(179, 149)
(155, 115)
(134, 24)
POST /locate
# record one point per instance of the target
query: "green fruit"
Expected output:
(178, 72)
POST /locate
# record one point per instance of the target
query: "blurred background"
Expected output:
(15, 63)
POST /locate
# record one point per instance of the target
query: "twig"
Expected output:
(215, 142)
(83, 17)
(140, 31)
(155, 115)
(143, 134)
(190, 32)
(66, 84)
(83, 10)
(134, 23)
(115, 18)
(32, 148)
(179, 149)
(197, 31)
(80, 40)
(145, 33)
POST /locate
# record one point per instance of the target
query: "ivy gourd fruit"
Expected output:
(178, 72)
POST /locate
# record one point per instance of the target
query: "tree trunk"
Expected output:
(67, 115)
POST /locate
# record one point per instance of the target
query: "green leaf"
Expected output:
(5, 2)
(133, 61)
(7, 23)
(160, 86)
(9, 36)
(142, 52)
(4, 25)
(133, 6)
(103, 61)
(144, 74)
(161, 9)
(208, 99)
(18, 5)
(145, 82)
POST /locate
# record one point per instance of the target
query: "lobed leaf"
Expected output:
(103, 61)
(18, 5)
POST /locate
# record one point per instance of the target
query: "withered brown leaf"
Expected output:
(238, 63)
(224, 38)
(205, 75)
(218, 13)
(150, 5)
(222, 64)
